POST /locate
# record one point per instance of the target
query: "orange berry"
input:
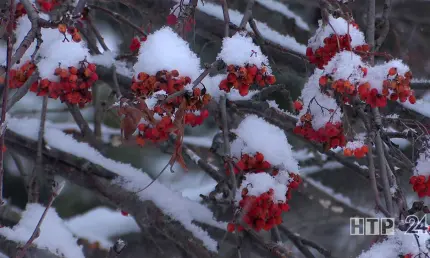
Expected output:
(76, 37)
(365, 149)
(412, 99)
(347, 152)
(73, 70)
(62, 28)
(323, 80)
(73, 78)
(64, 74)
(392, 71)
(140, 141)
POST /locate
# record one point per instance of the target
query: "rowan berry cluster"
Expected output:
(73, 31)
(135, 44)
(48, 5)
(251, 164)
(260, 212)
(358, 152)
(73, 86)
(19, 12)
(242, 77)
(19, 76)
(332, 45)
(420, 185)
(331, 134)
(399, 86)
(169, 82)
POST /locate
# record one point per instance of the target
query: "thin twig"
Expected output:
(33, 183)
(247, 14)
(370, 30)
(36, 233)
(6, 89)
(119, 18)
(226, 18)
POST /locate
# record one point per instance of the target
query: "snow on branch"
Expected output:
(267, 32)
(100, 225)
(130, 178)
(414, 245)
(282, 8)
(54, 235)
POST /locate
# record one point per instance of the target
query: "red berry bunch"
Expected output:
(250, 164)
(19, 76)
(332, 45)
(157, 133)
(170, 82)
(399, 86)
(241, 78)
(371, 96)
(135, 44)
(19, 12)
(298, 105)
(331, 134)
(74, 85)
(261, 212)
(293, 185)
(357, 152)
(73, 31)
(420, 185)
(48, 5)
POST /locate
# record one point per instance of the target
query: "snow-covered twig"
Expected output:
(247, 14)
(206, 166)
(55, 192)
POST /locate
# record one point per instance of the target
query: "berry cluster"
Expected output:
(48, 5)
(359, 152)
(136, 43)
(331, 134)
(399, 86)
(19, 12)
(261, 212)
(170, 82)
(19, 77)
(159, 132)
(251, 164)
(332, 45)
(74, 85)
(76, 37)
(420, 185)
(298, 105)
(241, 78)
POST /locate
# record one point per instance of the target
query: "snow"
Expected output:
(346, 65)
(283, 9)
(54, 235)
(266, 32)
(346, 201)
(132, 179)
(240, 50)
(166, 50)
(331, 165)
(255, 134)
(341, 27)
(313, 100)
(100, 225)
(399, 243)
(354, 145)
(260, 183)
(379, 72)
(52, 51)
(423, 162)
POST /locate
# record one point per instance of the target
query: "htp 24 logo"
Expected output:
(386, 226)
(414, 225)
